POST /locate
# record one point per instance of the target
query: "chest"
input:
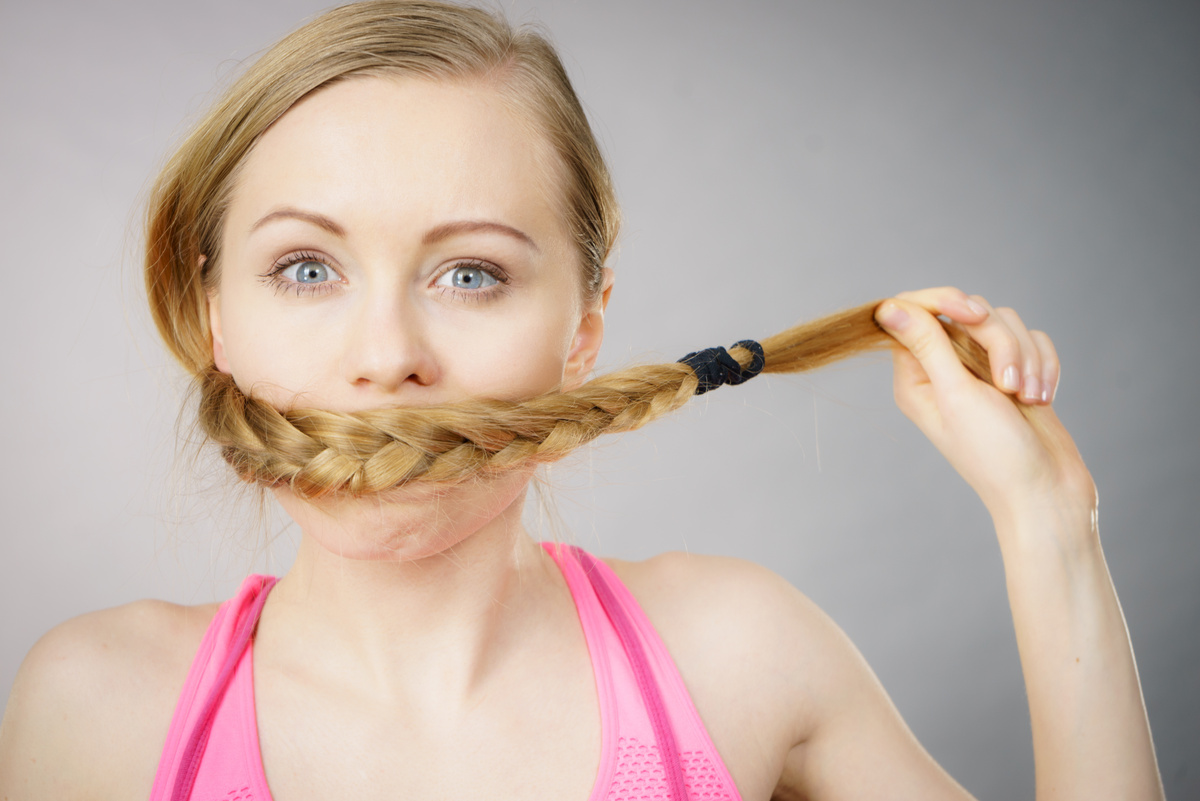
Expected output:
(565, 723)
(534, 739)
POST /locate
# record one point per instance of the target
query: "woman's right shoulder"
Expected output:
(93, 699)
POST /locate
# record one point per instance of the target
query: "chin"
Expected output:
(409, 522)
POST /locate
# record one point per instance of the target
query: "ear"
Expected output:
(585, 348)
(214, 328)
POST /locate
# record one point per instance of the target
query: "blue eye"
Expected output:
(467, 276)
(309, 272)
(303, 273)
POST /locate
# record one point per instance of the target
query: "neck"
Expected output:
(430, 623)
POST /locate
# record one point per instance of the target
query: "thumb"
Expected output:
(924, 337)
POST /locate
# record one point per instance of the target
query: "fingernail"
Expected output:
(1011, 381)
(1033, 388)
(893, 316)
(977, 307)
(1045, 396)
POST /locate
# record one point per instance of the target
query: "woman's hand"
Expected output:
(1019, 464)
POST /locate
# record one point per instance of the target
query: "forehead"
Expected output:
(405, 151)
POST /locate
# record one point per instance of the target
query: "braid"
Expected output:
(316, 452)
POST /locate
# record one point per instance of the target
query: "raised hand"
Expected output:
(1019, 464)
(1091, 737)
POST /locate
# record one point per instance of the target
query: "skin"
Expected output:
(444, 632)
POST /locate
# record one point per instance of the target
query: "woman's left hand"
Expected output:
(1018, 466)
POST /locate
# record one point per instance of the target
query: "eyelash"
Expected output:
(475, 295)
(275, 279)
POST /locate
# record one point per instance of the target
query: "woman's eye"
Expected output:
(467, 276)
(309, 272)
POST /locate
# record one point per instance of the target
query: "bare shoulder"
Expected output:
(720, 584)
(93, 699)
(790, 703)
(751, 648)
(739, 623)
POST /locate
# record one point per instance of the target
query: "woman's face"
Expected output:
(398, 241)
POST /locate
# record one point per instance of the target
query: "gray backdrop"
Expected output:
(776, 161)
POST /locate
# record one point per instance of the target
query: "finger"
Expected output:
(915, 327)
(1029, 362)
(1003, 348)
(949, 302)
(914, 392)
(1051, 367)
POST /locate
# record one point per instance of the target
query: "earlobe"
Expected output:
(585, 348)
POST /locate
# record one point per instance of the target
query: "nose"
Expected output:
(387, 352)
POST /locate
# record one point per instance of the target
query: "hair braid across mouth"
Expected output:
(315, 452)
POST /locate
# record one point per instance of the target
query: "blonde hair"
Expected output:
(315, 451)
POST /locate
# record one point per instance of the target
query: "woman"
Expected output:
(402, 206)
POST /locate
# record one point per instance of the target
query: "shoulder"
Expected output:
(790, 703)
(732, 597)
(717, 583)
(734, 626)
(93, 699)
(752, 650)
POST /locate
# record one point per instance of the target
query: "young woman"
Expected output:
(382, 255)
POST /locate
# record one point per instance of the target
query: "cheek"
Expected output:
(272, 350)
(515, 359)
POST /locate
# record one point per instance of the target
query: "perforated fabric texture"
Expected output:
(639, 775)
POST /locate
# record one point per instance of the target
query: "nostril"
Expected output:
(393, 380)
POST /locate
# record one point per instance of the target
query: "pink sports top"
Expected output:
(654, 745)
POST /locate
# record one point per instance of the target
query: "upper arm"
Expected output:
(36, 740)
(855, 744)
(790, 703)
(92, 701)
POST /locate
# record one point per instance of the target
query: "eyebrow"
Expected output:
(432, 236)
(447, 230)
(319, 220)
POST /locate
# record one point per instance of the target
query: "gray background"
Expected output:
(776, 161)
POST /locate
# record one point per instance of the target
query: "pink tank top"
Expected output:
(653, 743)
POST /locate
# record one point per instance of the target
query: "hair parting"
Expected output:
(316, 452)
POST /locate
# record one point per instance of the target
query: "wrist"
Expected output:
(1063, 500)
(1066, 523)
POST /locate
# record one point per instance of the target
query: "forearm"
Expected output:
(1091, 737)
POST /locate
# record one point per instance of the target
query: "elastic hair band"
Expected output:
(714, 366)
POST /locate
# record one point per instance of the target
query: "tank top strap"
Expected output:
(655, 743)
(642, 672)
(222, 649)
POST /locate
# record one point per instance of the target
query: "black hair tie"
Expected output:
(714, 366)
